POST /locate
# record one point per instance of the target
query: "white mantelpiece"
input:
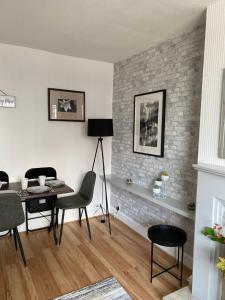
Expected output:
(208, 168)
(210, 209)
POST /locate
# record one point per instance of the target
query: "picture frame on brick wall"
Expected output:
(149, 123)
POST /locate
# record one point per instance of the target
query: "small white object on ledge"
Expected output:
(158, 182)
(156, 190)
(165, 177)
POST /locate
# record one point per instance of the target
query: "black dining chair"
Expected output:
(5, 179)
(80, 200)
(39, 205)
(11, 216)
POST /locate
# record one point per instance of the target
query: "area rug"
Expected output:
(109, 289)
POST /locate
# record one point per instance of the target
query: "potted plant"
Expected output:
(158, 181)
(165, 176)
(156, 190)
(216, 234)
(129, 181)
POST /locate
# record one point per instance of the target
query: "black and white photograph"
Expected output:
(149, 123)
(66, 105)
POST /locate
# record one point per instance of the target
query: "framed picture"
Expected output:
(149, 123)
(7, 101)
(66, 105)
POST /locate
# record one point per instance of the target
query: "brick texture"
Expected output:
(175, 65)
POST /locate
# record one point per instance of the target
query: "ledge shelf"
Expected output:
(169, 203)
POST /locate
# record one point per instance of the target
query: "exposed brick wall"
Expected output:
(175, 65)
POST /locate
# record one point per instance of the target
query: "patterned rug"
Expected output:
(109, 289)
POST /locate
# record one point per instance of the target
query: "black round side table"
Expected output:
(168, 236)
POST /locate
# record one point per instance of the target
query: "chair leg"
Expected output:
(80, 215)
(21, 247)
(57, 217)
(51, 223)
(26, 213)
(14, 235)
(61, 229)
(89, 231)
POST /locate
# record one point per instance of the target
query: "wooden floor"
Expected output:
(53, 271)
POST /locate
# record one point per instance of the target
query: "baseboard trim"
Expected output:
(188, 261)
(70, 216)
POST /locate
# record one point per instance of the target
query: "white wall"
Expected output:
(214, 62)
(210, 209)
(28, 139)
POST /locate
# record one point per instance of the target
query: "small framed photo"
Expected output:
(149, 123)
(66, 105)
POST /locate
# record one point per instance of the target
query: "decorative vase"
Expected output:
(165, 177)
(158, 182)
(156, 191)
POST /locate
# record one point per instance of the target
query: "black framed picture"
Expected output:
(66, 105)
(149, 123)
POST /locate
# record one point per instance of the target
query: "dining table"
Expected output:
(26, 196)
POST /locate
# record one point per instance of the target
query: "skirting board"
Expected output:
(70, 215)
(188, 261)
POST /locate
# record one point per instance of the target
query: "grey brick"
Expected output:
(175, 65)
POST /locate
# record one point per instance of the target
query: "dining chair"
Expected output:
(80, 200)
(11, 216)
(39, 205)
(4, 177)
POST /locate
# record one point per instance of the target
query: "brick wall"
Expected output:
(175, 65)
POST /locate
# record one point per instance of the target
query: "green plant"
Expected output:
(158, 179)
(216, 234)
(165, 173)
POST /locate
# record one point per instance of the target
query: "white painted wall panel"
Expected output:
(214, 62)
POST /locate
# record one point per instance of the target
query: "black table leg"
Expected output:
(151, 262)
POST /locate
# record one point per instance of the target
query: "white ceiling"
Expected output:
(105, 30)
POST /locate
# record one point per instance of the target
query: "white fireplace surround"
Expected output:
(210, 209)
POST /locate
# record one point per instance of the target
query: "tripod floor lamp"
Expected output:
(101, 128)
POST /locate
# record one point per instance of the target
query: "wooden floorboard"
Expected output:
(53, 270)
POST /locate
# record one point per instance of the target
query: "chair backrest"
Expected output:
(4, 176)
(35, 172)
(11, 211)
(34, 205)
(87, 186)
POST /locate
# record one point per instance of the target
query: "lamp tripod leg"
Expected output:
(96, 151)
(106, 197)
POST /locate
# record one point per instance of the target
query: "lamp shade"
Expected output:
(100, 127)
